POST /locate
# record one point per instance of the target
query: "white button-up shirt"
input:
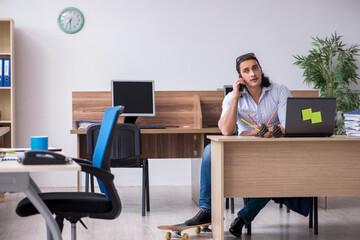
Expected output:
(271, 98)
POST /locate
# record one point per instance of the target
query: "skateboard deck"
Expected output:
(178, 228)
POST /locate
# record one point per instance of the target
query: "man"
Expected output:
(259, 98)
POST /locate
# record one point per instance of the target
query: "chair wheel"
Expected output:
(168, 235)
(185, 236)
(197, 230)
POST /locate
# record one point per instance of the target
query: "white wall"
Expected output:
(181, 44)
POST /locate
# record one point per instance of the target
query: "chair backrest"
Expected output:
(126, 143)
(101, 156)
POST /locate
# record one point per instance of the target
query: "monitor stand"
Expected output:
(130, 120)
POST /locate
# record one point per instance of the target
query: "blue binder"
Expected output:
(1, 72)
(6, 72)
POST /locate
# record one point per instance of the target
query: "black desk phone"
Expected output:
(38, 157)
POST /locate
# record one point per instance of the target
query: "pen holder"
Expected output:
(39, 143)
(277, 131)
(263, 129)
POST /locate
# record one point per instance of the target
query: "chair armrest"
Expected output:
(102, 174)
(83, 161)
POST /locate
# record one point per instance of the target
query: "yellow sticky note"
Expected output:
(306, 114)
(316, 117)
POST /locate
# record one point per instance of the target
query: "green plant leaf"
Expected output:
(331, 68)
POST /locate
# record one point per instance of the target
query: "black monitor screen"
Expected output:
(227, 89)
(136, 96)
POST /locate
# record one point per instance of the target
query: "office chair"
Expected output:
(125, 153)
(313, 215)
(232, 204)
(73, 206)
(287, 208)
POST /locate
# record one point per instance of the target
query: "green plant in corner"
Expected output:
(331, 68)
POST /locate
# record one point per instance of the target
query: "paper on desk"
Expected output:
(12, 156)
(27, 149)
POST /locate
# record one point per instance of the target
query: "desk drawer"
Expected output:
(171, 145)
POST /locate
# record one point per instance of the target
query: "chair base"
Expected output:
(73, 231)
(89, 181)
(232, 204)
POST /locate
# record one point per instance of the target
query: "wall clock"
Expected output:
(70, 20)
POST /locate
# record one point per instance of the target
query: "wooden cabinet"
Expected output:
(7, 94)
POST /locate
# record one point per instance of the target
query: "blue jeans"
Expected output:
(247, 213)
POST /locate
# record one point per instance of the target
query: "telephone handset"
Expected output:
(35, 157)
(241, 86)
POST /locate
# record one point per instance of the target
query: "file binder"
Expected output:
(6, 72)
(1, 72)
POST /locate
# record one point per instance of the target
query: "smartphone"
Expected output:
(241, 86)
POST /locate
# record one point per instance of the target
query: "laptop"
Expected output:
(310, 117)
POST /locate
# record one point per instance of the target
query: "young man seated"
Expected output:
(260, 99)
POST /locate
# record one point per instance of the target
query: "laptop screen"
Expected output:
(310, 117)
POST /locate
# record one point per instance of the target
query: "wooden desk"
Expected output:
(281, 167)
(16, 177)
(163, 143)
(195, 112)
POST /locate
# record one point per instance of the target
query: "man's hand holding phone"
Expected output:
(238, 87)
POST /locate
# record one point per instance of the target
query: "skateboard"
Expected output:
(178, 228)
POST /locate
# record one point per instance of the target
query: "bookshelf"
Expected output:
(7, 94)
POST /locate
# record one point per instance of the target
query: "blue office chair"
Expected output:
(125, 153)
(73, 206)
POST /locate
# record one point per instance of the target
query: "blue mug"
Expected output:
(39, 143)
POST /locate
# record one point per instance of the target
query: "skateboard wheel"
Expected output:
(197, 230)
(185, 236)
(168, 235)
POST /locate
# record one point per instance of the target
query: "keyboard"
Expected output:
(151, 126)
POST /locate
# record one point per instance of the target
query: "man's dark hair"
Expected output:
(265, 80)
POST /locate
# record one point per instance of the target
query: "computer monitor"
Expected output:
(227, 89)
(136, 96)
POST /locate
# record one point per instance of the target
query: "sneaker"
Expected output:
(202, 217)
(236, 226)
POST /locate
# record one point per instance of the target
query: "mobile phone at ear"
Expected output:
(241, 86)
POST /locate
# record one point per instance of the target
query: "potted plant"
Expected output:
(331, 68)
